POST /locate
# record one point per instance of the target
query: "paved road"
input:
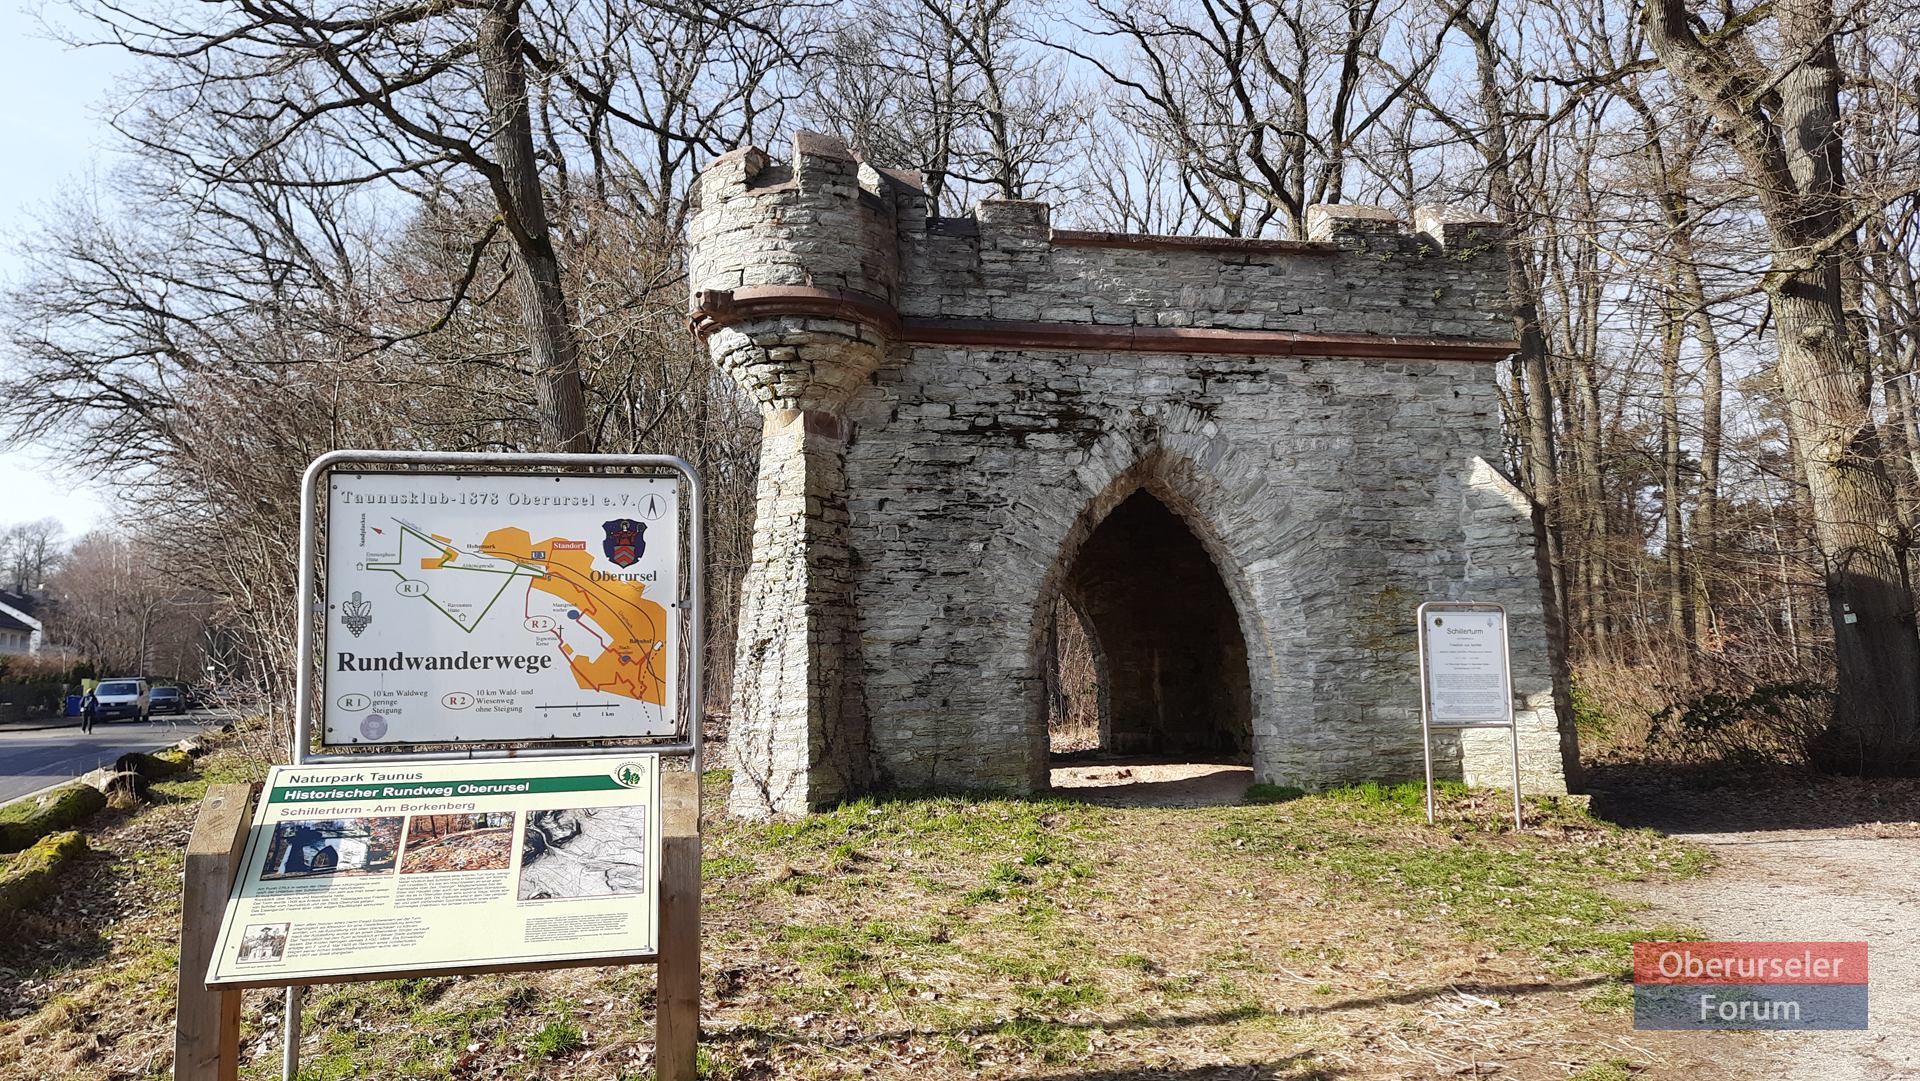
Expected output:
(32, 760)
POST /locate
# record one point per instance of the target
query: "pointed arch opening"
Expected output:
(1147, 654)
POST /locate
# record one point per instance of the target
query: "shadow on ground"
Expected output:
(1289, 1068)
(1694, 799)
(1473, 991)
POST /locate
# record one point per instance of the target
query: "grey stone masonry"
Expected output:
(955, 406)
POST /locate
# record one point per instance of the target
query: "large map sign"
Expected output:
(490, 607)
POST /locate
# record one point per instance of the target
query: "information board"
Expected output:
(1466, 664)
(498, 607)
(386, 869)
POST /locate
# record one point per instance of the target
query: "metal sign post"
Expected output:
(459, 612)
(1466, 679)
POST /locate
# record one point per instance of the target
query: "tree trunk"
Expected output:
(1672, 172)
(1706, 514)
(1056, 695)
(543, 308)
(1599, 621)
(1542, 471)
(1900, 349)
(1679, 608)
(1786, 129)
(1876, 651)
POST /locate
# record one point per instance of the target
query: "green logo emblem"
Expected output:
(630, 774)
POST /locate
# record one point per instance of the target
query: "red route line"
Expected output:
(574, 658)
(548, 569)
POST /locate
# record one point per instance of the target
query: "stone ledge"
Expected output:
(716, 308)
(1078, 238)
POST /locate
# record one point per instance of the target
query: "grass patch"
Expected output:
(1371, 843)
(935, 936)
(1006, 874)
(1612, 998)
(556, 1038)
(726, 867)
(1272, 793)
(1051, 1043)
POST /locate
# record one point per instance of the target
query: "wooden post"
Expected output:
(676, 1036)
(206, 1027)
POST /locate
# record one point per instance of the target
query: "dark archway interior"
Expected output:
(1170, 657)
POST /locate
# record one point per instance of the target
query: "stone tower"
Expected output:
(1242, 462)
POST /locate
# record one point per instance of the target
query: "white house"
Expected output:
(19, 632)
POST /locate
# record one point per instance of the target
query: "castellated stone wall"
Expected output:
(954, 406)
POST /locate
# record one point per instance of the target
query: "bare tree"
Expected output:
(957, 89)
(29, 552)
(416, 97)
(123, 608)
(1263, 105)
(1783, 117)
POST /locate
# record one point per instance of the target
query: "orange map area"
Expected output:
(631, 664)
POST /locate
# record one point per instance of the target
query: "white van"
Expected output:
(122, 698)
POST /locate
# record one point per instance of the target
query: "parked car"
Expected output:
(122, 698)
(166, 700)
(236, 697)
(192, 697)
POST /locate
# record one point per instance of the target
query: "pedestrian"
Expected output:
(89, 705)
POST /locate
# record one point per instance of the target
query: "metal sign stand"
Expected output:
(677, 982)
(1427, 724)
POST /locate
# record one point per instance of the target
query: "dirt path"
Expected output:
(1842, 865)
(1147, 782)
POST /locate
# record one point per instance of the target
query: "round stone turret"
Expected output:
(795, 271)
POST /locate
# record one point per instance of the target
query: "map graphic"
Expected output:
(485, 607)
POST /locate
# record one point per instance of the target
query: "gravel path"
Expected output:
(1812, 859)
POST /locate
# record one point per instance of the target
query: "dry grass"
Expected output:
(1720, 716)
(944, 937)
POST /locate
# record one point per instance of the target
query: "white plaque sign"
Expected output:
(1466, 665)
(496, 607)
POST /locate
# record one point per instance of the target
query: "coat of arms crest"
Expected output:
(626, 541)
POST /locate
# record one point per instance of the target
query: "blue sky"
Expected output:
(53, 136)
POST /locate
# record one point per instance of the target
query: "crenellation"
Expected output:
(956, 407)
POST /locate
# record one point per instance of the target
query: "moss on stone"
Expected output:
(30, 876)
(31, 820)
